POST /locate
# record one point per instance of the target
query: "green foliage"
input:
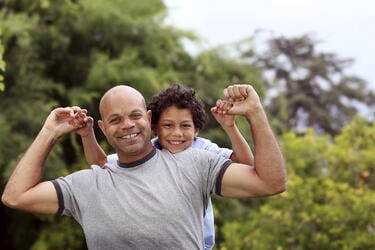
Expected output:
(327, 204)
(55, 236)
(2, 64)
(314, 214)
(310, 152)
(354, 154)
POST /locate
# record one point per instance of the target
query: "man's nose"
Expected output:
(128, 123)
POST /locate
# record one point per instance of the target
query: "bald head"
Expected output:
(118, 94)
(126, 123)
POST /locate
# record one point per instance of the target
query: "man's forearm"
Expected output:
(269, 161)
(28, 171)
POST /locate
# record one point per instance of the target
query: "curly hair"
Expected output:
(183, 98)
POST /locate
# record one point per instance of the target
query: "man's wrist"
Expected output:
(48, 135)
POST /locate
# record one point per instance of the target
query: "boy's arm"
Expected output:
(94, 154)
(241, 149)
(268, 175)
(24, 191)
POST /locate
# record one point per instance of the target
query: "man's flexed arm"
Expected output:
(268, 176)
(24, 191)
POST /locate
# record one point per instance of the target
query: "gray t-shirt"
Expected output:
(155, 203)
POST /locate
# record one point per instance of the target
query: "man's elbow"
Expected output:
(10, 201)
(274, 187)
(7, 201)
(279, 187)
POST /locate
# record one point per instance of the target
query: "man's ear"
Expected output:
(101, 126)
(149, 115)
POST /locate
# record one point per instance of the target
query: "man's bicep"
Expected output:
(40, 199)
(241, 181)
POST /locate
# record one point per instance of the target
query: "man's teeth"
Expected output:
(129, 136)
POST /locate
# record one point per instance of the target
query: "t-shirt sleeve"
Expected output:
(60, 197)
(66, 200)
(212, 168)
(219, 177)
(71, 190)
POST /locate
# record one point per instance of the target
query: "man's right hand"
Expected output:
(65, 120)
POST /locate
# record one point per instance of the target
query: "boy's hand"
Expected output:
(225, 120)
(86, 128)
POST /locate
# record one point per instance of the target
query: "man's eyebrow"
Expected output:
(135, 111)
(138, 110)
(111, 116)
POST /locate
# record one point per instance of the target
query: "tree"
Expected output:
(309, 88)
(2, 66)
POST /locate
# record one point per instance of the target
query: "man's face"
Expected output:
(175, 129)
(127, 126)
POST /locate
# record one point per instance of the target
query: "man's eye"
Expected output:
(187, 125)
(136, 116)
(114, 120)
(167, 125)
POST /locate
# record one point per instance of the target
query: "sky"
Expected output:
(344, 27)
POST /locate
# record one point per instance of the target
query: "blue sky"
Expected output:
(345, 27)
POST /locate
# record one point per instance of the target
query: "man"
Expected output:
(151, 198)
(177, 117)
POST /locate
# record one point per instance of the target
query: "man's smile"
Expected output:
(131, 136)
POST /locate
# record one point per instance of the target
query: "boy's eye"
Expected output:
(167, 125)
(187, 125)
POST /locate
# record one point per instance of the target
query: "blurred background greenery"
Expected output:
(59, 53)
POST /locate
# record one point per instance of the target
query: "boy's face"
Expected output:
(175, 129)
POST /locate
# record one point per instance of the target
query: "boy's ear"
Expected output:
(196, 132)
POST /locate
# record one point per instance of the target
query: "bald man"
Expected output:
(150, 199)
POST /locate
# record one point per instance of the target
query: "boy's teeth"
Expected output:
(176, 142)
